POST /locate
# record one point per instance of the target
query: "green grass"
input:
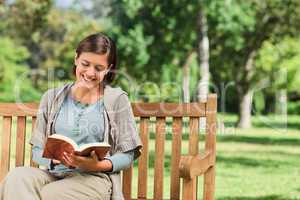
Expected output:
(258, 164)
(255, 164)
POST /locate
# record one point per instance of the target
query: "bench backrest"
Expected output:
(162, 148)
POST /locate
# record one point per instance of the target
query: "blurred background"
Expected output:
(248, 52)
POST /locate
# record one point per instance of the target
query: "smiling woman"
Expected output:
(87, 110)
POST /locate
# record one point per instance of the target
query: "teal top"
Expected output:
(84, 123)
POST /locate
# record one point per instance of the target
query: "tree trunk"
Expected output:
(186, 78)
(245, 92)
(203, 56)
(245, 105)
(281, 102)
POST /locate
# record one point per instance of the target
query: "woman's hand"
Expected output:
(56, 162)
(87, 163)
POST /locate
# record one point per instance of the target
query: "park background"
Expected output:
(248, 52)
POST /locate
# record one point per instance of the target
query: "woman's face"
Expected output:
(90, 69)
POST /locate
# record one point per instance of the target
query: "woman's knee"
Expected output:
(19, 173)
(47, 194)
(24, 174)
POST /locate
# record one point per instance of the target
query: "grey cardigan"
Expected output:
(123, 134)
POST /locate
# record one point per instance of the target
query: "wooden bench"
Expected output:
(182, 167)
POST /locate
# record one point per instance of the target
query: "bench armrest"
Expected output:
(191, 166)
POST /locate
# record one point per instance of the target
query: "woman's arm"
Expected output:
(121, 161)
(113, 163)
(37, 153)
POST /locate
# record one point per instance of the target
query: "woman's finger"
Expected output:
(56, 162)
(67, 160)
(94, 155)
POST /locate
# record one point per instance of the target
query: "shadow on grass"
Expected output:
(260, 140)
(248, 162)
(289, 125)
(274, 125)
(244, 161)
(267, 197)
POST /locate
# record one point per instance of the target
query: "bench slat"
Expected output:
(176, 152)
(32, 164)
(195, 109)
(191, 185)
(20, 147)
(143, 159)
(194, 136)
(210, 145)
(127, 183)
(168, 109)
(18, 109)
(6, 142)
(159, 157)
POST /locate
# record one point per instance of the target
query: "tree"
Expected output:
(13, 68)
(50, 35)
(239, 29)
(25, 20)
(280, 61)
(157, 37)
(203, 53)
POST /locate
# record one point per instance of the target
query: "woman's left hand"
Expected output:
(90, 164)
(86, 163)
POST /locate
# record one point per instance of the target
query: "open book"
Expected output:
(57, 144)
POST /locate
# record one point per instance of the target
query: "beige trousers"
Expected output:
(29, 183)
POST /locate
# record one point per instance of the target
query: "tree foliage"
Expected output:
(14, 85)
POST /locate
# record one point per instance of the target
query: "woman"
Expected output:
(88, 110)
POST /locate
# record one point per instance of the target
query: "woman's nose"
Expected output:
(91, 71)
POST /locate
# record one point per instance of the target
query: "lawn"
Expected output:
(258, 163)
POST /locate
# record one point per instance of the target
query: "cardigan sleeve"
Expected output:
(127, 135)
(38, 136)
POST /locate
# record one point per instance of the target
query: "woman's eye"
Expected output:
(99, 69)
(85, 64)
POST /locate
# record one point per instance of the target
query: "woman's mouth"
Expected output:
(87, 80)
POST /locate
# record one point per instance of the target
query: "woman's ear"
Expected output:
(75, 59)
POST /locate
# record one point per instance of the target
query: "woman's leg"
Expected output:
(79, 186)
(24, 183)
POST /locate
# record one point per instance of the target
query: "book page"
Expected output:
(94, 144)
(65, 138)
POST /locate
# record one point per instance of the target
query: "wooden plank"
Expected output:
(168, 109)
(32, 164)
(190, 186)
(20, 143)
(6, 142)
(139, 109)
(189, 189)
(18, 109)
(143, 159)
(176, 152)
(210, 146)
(194, 136)
(159, 157)
(127, 183)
